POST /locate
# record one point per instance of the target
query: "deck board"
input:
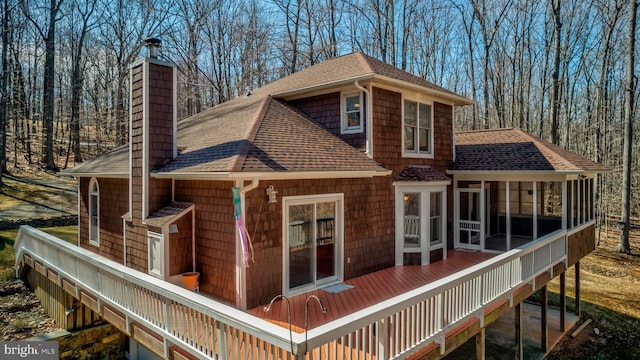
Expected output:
(368, 290)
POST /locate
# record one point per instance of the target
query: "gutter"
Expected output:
(303, 175)
(369, 119)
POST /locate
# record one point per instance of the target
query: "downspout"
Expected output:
(368, 119)
(253, 185)
(241, 272)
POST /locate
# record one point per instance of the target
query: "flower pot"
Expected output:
(190, 280)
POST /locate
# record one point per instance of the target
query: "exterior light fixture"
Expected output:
(271, 193)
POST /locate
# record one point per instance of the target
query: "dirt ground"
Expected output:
(610, 289)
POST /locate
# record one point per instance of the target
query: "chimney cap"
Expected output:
(151, 41)
(153, 44)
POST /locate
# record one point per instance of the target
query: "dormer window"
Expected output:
(352, 113)
(418, 129)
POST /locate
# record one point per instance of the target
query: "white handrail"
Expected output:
(407, 321)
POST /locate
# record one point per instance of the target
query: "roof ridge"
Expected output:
(364, 60)
(486, 130)
(250, 135)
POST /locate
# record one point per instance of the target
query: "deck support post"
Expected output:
(480, 344)
(518, 323)
(544, 329)
(577, 267)
(563, 301)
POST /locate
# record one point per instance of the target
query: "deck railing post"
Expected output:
(167, 315)
(382, 336)
(221, 337)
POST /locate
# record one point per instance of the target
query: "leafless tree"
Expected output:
(623, 245)
(46, 27)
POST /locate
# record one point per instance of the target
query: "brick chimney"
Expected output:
(152, 133)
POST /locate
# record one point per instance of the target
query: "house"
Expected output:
(345, 174)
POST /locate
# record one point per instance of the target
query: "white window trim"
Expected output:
(417, 153)
(96, 241)
(426, 247)
(338, 233)
(344, 126)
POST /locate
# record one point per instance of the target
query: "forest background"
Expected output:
(557, 69)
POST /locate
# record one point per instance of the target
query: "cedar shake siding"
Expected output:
(387, 137)
(160, 129)
(215, 232)
(159, 94)
(369, 237)
(387, 143)
(113, 204)
(581, 244)
(325, 110)
(180, 247)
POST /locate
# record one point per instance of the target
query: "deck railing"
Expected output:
(392, 329)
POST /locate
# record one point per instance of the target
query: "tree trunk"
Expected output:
(555, 75)
(3, 90)
(48, 87)
(623, 245)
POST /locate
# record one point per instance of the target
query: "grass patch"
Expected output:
(8, 239)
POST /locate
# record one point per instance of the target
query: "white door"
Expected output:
(469, 219)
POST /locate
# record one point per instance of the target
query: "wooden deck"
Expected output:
(368, 290)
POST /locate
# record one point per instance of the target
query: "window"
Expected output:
(352, 113)
(418, 125)
(313, 246)
(436, 218)
(94, 213)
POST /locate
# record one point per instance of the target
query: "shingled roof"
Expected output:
(114, 163)
(348, 68)
(260, 133)
(415, 173)
(516, 151)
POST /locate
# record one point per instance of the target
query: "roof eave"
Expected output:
(517, 172)
(456, 99)
(422, 183)
(319, 87)
(110, 175)
(292, 175)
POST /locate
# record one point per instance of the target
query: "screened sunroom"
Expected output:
(517, 189)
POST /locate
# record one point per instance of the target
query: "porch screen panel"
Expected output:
(550, 207)
(521, 212)
(582, 202)
(300, 244)
(575, 202)
(569, 204)
(591, 200)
